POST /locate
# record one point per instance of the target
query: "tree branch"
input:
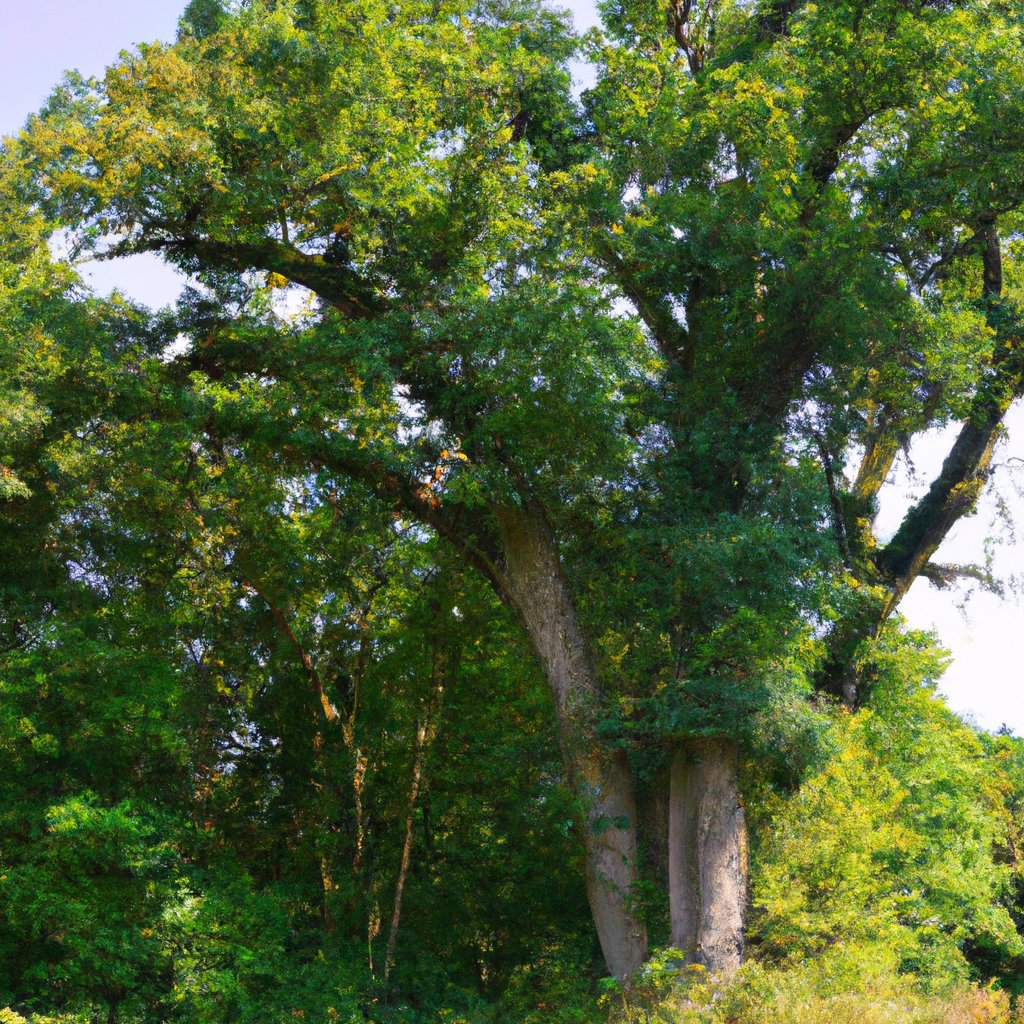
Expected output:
(460, 526)
(337, 284)
(281, 620)
(954, 492)
(670, 337)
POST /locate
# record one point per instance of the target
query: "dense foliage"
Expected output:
(389, 630)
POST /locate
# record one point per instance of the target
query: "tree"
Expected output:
(894, 851)
(807, 209)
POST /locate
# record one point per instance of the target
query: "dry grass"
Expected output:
(760, 996)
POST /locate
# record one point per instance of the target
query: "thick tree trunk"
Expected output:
(604, 782)
(707, 855)
(535, 587)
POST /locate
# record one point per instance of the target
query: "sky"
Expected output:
(985, 681)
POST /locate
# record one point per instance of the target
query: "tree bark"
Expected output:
(535, 588)
(708, 870)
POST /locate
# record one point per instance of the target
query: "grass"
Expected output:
(804, 995)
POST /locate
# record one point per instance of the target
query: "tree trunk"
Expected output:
(426, 733)
(535, 587)
(605, 783)
(707, 855)
(422, 742)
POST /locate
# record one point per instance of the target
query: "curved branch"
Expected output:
(336, 283)
(670, 337)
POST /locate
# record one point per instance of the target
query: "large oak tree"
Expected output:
(644, 362)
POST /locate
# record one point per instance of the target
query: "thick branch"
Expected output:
(670, 336)
(691, 34)
(536, 589)
(955, 491)
(952, 495)
(882, 448)
(788, 354)
(337, 284)
(460, 526)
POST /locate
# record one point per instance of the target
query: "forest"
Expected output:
(467, 602)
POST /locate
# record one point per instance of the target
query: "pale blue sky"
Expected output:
(42, 39)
